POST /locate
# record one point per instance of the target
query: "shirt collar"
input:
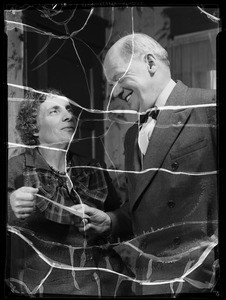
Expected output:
(162, 98)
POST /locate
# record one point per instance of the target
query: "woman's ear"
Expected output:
(36, 138)
(36, 133)
(151, 61)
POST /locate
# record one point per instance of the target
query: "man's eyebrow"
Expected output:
(116, 78)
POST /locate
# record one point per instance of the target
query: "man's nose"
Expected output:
(117, 90)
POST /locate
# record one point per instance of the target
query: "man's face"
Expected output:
(135, 86)
(56, 121)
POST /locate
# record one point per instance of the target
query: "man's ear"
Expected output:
(151, 61)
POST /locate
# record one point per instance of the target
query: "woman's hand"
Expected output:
(22, 201)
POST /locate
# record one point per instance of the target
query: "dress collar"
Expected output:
(35, 160)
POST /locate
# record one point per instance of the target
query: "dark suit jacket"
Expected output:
(179, 182)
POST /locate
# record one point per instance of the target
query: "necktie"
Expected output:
(153, 114)
(148, 121)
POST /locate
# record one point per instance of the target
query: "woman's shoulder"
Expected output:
(16, 159)
(15, 170)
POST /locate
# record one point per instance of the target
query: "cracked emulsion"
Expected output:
(130, 251)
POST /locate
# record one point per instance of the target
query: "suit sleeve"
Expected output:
(121, 217)
(121, 224)
(113, 200)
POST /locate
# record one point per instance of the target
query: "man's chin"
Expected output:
(134, 108)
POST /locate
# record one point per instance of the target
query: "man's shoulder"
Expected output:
(191, 96)
(201, 96)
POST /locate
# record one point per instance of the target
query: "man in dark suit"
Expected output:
(170, 162)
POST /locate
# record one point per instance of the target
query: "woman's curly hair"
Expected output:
(26, 122)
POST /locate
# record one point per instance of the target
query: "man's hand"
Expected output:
(98, 223)
(22, 201)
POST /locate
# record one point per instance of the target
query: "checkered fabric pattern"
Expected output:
(86, 185)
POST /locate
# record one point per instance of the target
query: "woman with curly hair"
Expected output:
(44, 183)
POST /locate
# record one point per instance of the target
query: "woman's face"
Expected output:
(56, 122)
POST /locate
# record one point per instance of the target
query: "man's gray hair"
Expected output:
(139, 43)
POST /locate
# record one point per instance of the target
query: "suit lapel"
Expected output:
(168, 126)
(133, 157)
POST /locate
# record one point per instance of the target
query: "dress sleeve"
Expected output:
(15, 181)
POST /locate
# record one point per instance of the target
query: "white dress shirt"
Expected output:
(147, 128)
